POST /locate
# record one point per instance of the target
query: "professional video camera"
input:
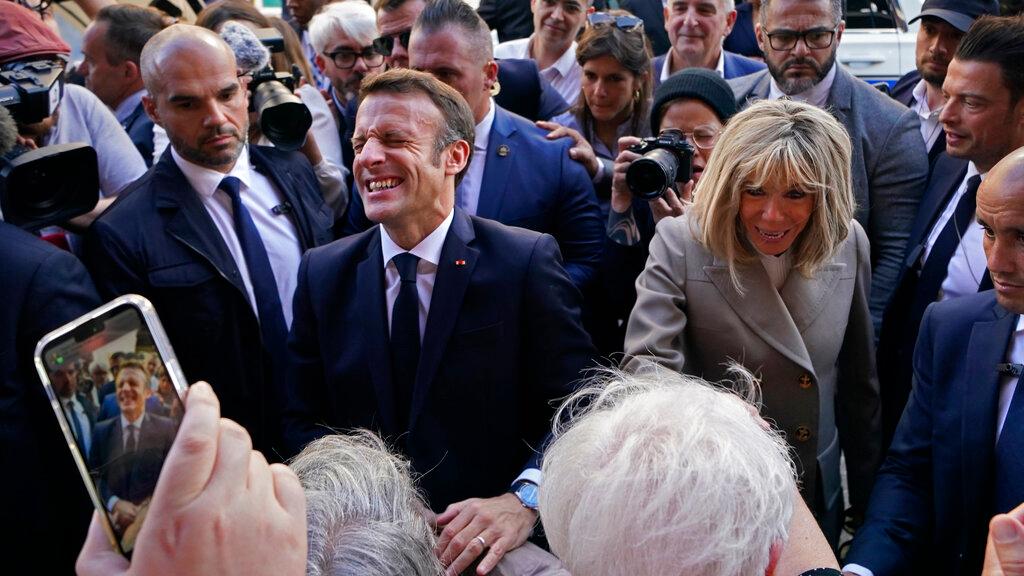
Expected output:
(49, 185)
(664, 160)
(283, 117)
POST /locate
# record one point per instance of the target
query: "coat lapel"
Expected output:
(454, 271)
(501, 154)
(285, 182)
(189, 223)
(763, 309)
(980, 399)
(805, 298)
(373, 308)
(840, 97)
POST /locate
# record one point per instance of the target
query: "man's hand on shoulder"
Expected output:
(472, 526)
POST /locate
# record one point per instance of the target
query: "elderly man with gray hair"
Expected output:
(663, 473)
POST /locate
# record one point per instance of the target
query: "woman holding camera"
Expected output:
(614, 94)
(768, 268)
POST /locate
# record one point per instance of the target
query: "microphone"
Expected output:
(1010, 369)
(250, 53)
(8, 132)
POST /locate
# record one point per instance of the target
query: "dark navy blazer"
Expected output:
(900, 323)
(503, 339)
(530, 182)
(139, 127)
(903, 92)
(735, 66)
(159, 241)
(930, 506)
(525, 92)
(130, 476)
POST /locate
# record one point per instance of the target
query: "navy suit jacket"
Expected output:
(735, 66)
(503, 340)
(900, 323)
(903, 92)
(159, 241)
(931, 505)
(43, 288)
(132, 476)
(524, 92)
(530, 182)
(139, 127)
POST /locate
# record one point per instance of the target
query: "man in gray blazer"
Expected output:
(889, 162)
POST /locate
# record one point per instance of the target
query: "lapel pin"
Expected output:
(460, 262)
(503, 150)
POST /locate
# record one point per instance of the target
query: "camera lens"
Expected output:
(284, 119)
(649, 176)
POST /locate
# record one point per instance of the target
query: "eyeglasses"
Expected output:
(385, 44)
(627, 23)
(703, 137)
(346, 58)
(815, 38)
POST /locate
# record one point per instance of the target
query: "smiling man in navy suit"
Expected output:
(448, 334)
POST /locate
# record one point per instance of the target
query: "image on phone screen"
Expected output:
(120, 404)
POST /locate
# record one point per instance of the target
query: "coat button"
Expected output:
(806, 381)
(803, 433)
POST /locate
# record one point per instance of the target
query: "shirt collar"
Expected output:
(666, 67)
(565, 62)
(482, 131)
(816, 95)
(428, 249)
(125, 423)
(205, 180)
(128, 105)
(920, 94)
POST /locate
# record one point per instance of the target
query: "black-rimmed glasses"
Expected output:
(345, 58)
(385, 44)
(815, 38)
(627, 23)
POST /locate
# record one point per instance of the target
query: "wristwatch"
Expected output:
(526, 491)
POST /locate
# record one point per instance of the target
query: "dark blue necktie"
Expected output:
(264, 287)
(936, 267)
(405, 336)
(1009, 470)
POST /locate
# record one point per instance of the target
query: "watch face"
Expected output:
(527, 493)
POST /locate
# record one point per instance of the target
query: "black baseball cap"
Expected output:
(960, 14)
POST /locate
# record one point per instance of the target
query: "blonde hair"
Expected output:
(782, 138)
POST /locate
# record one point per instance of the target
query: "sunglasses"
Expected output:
(626, 23)
(385, 44)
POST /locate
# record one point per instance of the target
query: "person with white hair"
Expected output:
(342, 34)
(664, 473)
(365, 515)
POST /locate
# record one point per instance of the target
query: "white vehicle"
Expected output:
(878, 45)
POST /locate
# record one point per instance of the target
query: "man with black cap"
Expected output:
(697, 102)
(943, 24)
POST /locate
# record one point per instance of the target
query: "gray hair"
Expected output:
(663, 473)
(838, 9)
(353, 19)
(364, 512)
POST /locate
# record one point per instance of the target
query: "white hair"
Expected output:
(354, 19)
(364, 513)
(662, 473)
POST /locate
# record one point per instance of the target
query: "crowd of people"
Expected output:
(604, 297)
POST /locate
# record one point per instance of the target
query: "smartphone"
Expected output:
(119, 430)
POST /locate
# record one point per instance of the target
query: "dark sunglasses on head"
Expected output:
(627, 23)
(385, 44)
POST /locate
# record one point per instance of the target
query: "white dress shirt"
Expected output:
(1007, 386)
(968, 263)
(280, 238)
(429, 252)
(666, 68)
(125, 435)
(467, 195)
(930, 126)
(816, 95)
(564, 75)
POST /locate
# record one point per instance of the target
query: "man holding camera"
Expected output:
(212, 235)
(29, 46)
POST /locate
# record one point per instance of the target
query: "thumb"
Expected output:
(1008, 539)
(98, 557)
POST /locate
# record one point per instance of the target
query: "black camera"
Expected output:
(283, 117)
(664, 160)
(31, 89)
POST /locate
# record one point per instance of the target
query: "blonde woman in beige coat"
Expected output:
(769, 268)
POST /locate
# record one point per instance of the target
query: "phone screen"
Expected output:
(110, 381)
